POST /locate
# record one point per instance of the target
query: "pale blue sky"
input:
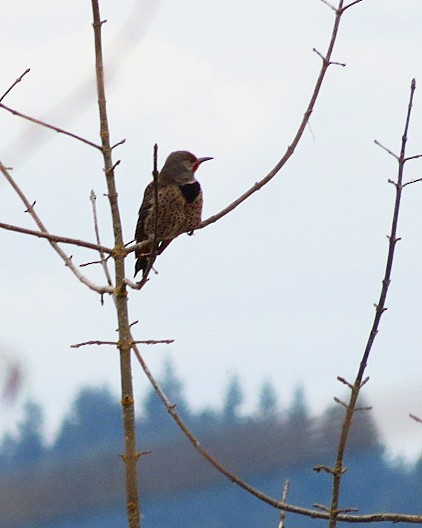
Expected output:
(283, 288)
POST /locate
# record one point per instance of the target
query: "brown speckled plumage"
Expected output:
(179, 205)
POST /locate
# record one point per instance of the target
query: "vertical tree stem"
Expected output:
(130, 456)
(379, 310)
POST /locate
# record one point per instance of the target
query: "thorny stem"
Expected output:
(379, 310)
(130, 456)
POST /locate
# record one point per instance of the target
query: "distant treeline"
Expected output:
(95, 420)
(78, 479)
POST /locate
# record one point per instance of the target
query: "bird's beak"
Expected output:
(201, 160)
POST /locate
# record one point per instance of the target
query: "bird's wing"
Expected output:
(144, 212)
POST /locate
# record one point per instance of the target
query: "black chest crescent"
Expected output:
(190, 191)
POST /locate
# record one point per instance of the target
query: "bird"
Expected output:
(179, 206)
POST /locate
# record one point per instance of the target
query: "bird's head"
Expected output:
(180, 167)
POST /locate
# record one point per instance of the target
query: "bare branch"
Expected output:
(416, 156)
(114, 165)
(51, 127)
(131, 284)
(351, 4)
(18, 80)
(365, 381)
(120, 297)
(292, 147)
(321, 56)
(416, 418)
(121, 142)
(386, 149)
(380, 309)
(345, 382)
(321, 467)
(366, 408)
(171, 408)
(87, 343)
(284, 495)
(135, 247)
(155, 241)
(54, 245)
(56, 238)
(321, 507)
(92, 262)
(155, 342)
(329, 5)
(348, 510)
(115, 343)
(412, 181)
(337, 400)
(103, 260)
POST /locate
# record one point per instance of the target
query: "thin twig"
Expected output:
(337, 400)
(320, 507)
(416, 418)
(68, 260)
(386, 149)
(365, 408)
(379, 310)
(412, 181)
(329, 5)
(416, 156)
(131, 284)
(326, 62)
(155, 342)
(18, 80)
(115, 343)
(121, 142)
(365, 381)
(103, 260)
(51, 127)
(156, 204)
(344, 381)
(334, 63)
(321, 467)
(350, 5)
(137, 246)
(56, 238)
(284, 495)
(87, 343)
(155, 241)
(92, 262)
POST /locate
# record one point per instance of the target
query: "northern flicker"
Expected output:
(179, 205)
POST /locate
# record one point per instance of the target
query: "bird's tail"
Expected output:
(143, 258)
(141, 264)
